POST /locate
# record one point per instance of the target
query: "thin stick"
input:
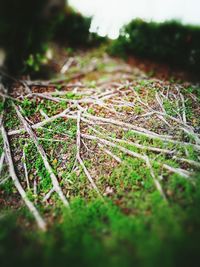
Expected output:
(78, 157)
(191, 133)
(44, 114)
(1, 161)
(51, 119)
(25, 167)
(2, 113)
(4, 180)
(155, 149)
(179, 171)
(88, 100)
(35, 187)
(33, 210)
(135, 128)
(106, 142)
(164, 113)
(52, 140)
(183, 108)
(125, 126)
(44, 157)
(110, 153)
(67, 65)
(48, 195)
(155, 180)
(44, 122)
(160, 102)
(189, 161)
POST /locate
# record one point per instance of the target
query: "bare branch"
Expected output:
(155, 149)
(48, 195)
(25, 167)
(44, 157)
(78, 157)
(134, 128)
(179, 171)
(183, 108)
(1, 161)
(155, 180)
(33, 210)
(110, 153)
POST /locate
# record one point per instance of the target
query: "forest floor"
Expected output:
(105, 159)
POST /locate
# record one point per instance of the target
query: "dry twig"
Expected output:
(78, 157)
(44, 157)
(41, 223)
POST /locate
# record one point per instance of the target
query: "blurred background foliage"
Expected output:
(26, 28)
(73, 30)
(169, 42)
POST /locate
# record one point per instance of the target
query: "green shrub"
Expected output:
(73, 30)
(25, 27)
(169, 42)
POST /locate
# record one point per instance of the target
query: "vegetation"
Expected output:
(169, 42)
(100, 164)
(154, 234)
(25, 28)
(31, 26)
(77, 34)
(131, 213)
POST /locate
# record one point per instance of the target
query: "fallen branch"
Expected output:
(3, 181)
(78, 157)
(25, 167)
(44, 122)
(51, 119)
(154, 149)
(106, 142)
(48, 195)
(109, 153)
(33, 210)
(189, 161)
(44, 157)
(123, 125)
(67, 65)
(134, 128)
(35, 187)
(155, 180)
(160, 103)
(44, 114)
(164, 113)
(1, 161)
(183, 108)
(179, 171)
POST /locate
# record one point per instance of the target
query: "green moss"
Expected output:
(95, 233)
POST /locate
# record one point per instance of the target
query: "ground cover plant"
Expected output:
(99, 165)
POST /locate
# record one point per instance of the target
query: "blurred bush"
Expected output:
(25, 27)
(169, 42)
(73, 30)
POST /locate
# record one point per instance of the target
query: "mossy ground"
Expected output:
(134, 225)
